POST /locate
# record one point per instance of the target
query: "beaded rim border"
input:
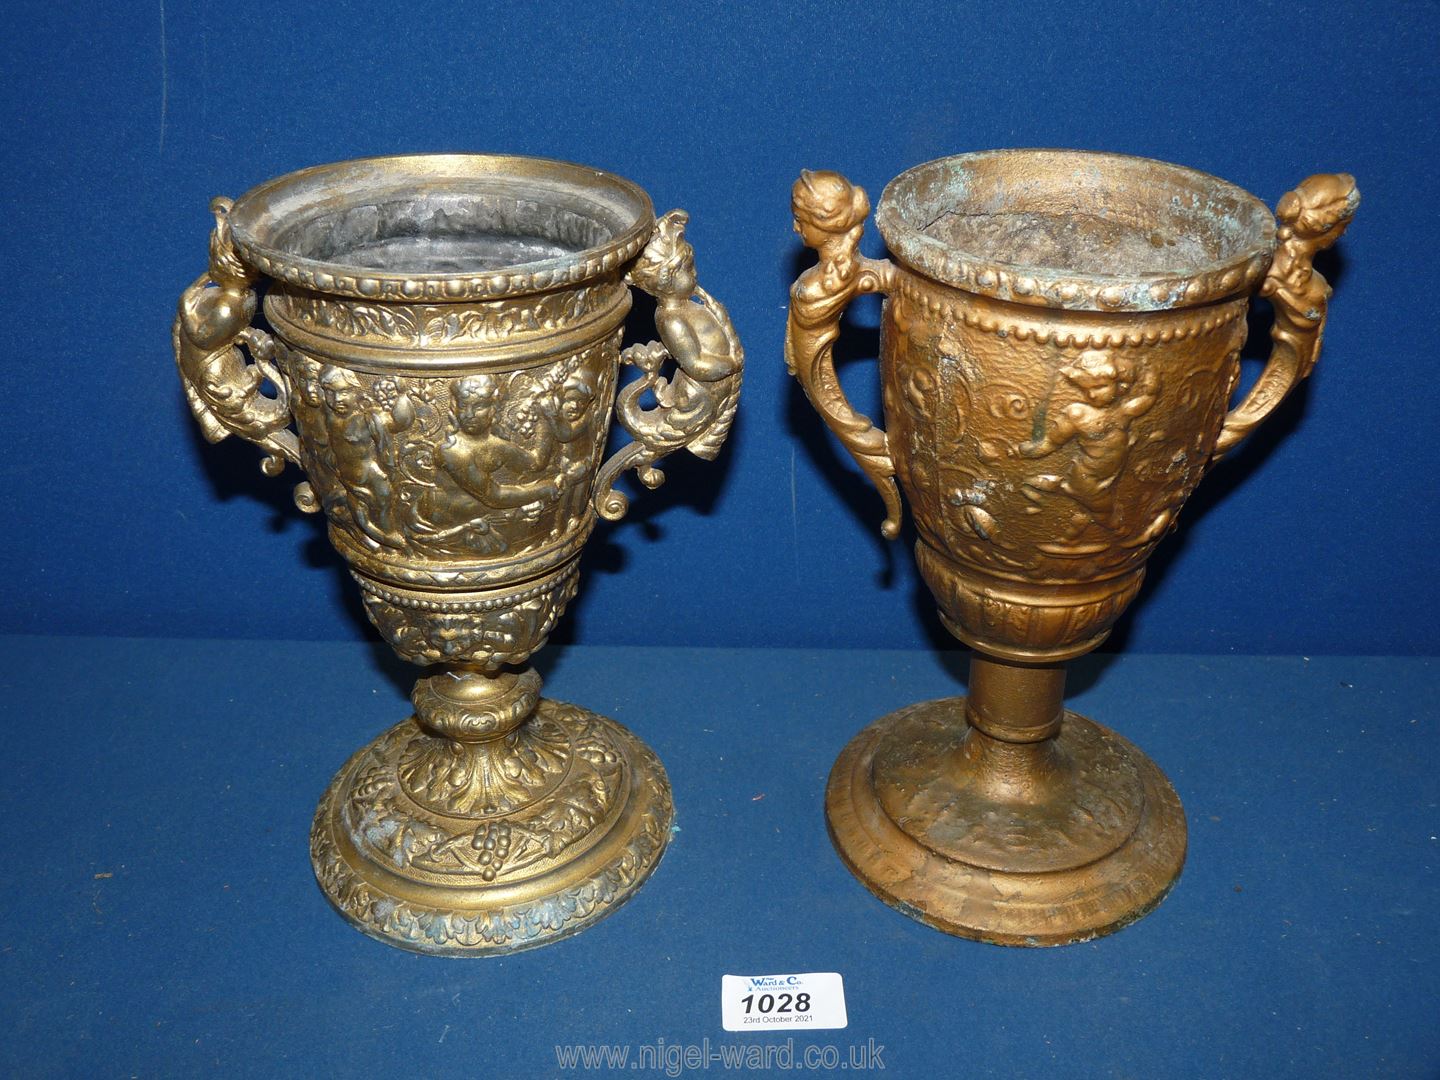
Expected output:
(1066, 336)
(1039, 286)
(368, 284)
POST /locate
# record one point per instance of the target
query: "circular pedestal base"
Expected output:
(469, 849)
(945, 836)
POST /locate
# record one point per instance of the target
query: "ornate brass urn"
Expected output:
(444, 359)
(1060, 340)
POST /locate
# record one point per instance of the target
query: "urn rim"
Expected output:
(294, 228)
(1077, 229)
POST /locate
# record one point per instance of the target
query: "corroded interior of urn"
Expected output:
(449, 232)
(441, 225)
(1076, 229)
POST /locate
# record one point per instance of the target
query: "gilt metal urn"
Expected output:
(442, 363)
(1060, 342)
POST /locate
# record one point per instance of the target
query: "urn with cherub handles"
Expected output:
(442, 363)
(1060, 341)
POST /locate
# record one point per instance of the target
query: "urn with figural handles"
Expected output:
(1060, 341)
(443, 360)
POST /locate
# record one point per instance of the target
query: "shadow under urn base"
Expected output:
(1038, 843)
(487, 846)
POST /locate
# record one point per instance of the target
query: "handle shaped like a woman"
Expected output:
(830, 216)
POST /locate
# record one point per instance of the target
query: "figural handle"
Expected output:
(830, 217)
(1311, 218)
(225, 392)
(695, 406)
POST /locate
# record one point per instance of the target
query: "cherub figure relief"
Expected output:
(307, 400)
(572, 417)
(311, 396)
(480, 469)
(359, 436)
(1096, 399)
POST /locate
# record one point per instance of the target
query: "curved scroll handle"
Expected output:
(224, 391)
(695, 406)
(1311, 218)
(830, 216)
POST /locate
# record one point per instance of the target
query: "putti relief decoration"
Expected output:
(444, 364)
(1060, 341)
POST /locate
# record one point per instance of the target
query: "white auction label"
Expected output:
(815, 999)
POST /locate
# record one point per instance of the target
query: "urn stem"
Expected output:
(471, 705)
(1015, 703)
(478, 754)
(1011, 754)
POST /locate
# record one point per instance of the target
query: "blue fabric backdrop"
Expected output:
(121, 121)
